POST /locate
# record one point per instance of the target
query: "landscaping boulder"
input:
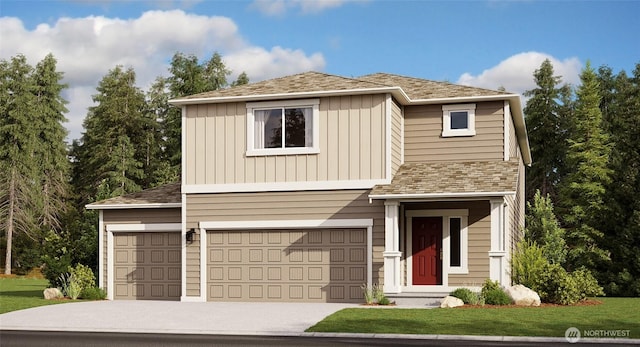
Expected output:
(52, 293)
(451, 301)
(523, 296)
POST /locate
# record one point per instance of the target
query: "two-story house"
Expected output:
(307, 187)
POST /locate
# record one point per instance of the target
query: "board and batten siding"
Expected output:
(298, 205)
(396, 136)
(424, 141)
(479, 239)
(134, 216)
(352, 145)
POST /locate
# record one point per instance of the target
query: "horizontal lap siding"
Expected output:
(135, 216)
(424, 141)
(313, 205)
(352, 145)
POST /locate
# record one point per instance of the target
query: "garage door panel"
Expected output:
(147, 266)
(288, 265)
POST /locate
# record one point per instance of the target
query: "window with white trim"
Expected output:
(458, 120)
(458, 243)
(283, 127)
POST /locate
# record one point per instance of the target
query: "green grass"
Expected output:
(612, 314)
(20, 293)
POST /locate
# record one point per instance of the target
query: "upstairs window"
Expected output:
(459, 120)
(282, 127)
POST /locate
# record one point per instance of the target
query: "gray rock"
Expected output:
(451, 301)
(52, 293)
(523, 296)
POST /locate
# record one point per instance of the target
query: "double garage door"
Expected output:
(147, 266)
(318, 265)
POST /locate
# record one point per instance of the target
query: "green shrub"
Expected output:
(496, 297)
(587, 284)
(93, 293)
(367, 292)
(378, 293)
(55, 267)
(384, 301)
(466, 295)
(564, 288)
(489, 285)
(83, 275)
(70, 287)
(528, 265)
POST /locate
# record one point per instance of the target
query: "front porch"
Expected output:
(437, 241)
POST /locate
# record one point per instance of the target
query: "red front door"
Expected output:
(427, 245)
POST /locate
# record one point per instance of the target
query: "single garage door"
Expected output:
(327, 265)
(147, 266)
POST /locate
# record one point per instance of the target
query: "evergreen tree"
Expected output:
(584, 187)
(622, 202)
(542, 227)
(157, 168)
(18, 170)
(52, 148)
(242, 79)
(113, 148)
(544, 117)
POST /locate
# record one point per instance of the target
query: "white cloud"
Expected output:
(87, 48)
(280, 7)
(515, 73)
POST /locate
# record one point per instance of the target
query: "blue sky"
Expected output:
(482, 43)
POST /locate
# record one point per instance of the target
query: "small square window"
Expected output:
(458, 120)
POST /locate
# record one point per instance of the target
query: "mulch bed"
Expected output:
(588, 302)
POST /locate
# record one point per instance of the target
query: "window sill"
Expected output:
(458, 133)
(281, 151)
(458, 271)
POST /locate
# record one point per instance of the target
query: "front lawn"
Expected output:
(20, 293)
(612, 314)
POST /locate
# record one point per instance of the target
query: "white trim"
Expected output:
(446, 215)
(203, 265)
(498, 268)
(388, 123)
(391, 254)
(401, 134)
(183, 144)
(183, 237)
(151, 227)
(315, 118)
(441, 195)
(101, 232)
(282, 186)
(132, 206)
(110, 254)
(446, 120)
(284, 224)
(506, 131)
(116, 228)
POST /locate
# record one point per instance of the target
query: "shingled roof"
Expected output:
(167, 195)
(451, 178)
(317, 82)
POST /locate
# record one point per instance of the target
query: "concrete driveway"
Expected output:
(172, 317)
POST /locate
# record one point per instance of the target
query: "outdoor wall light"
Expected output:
(190, 233)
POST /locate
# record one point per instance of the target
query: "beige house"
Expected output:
(304, 188)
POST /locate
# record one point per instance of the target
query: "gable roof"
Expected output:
(450, 179)
(166, 196)
(407, 90)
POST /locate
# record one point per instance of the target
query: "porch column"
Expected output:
(391, 252)
(498, 270)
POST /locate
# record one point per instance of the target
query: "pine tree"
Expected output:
(52, 148)
(18, 169)
(113, 148)
(545, 123)
(583, 189)
(242, 79)
(622, 201)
